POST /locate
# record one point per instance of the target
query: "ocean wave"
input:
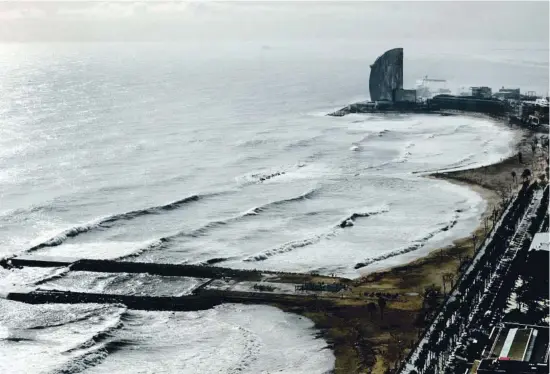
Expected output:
(417, 244)
(301, 143)
(164, 242)
(296, 244)
(461, 161)
(306, 195)
(254, 142)
(101, 335)
(85, 361)
(153, 245)
(349, 221)
(251, 212)
(56, 274)
(260, 177)
(109, 221)
(251, 346)
(288, 247)
(94, 350)
(406, 153)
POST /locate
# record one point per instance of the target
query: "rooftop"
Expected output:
(541, 242)
(517, 343)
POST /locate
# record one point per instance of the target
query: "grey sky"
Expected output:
(519, 21)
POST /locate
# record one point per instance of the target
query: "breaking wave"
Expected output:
(251, 345)
(94, 350)
(254, 142)
(288, 247)
(260, 177)
(349, 221)
(461, 161)
(251, 212)
(100, 336)
(301, 143)
(109, 221)
(406, 153)
(417, 244)
(306, 195)
(296, 244)
(165, 241)
(56, 274)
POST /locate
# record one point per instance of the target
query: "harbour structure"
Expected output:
(425, 87)
(388, 95)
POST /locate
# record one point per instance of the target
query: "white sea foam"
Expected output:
(100, 339)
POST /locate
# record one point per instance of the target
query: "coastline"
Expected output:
(363, 343)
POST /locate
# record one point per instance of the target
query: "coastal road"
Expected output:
(462, 310)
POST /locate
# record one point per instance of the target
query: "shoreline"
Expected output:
(364, 342)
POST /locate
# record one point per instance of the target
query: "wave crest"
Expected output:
(296, 244)
(165, 241)
(109, 221)
(417, 244)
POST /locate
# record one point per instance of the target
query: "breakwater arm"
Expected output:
(181, 303)
(113, 266)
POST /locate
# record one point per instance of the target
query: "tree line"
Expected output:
(466, 307)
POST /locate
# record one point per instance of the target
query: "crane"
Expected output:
(426, 79)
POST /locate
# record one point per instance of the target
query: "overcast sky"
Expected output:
(517, 21)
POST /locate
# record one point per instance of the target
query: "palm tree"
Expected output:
(381, 305)
(451, 279)
(371, 308)
(514, 176)
(526, 175)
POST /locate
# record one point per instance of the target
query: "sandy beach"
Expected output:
(370, 344)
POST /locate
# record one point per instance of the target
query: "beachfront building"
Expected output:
(482, 92)
(386, 75)
(508, 94)
(515, 349)
(541, 242)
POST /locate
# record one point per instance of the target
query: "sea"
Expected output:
(177, 153)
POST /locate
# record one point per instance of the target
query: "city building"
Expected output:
(386, 75)
(514, 349)
(541, 242)
(402, 95)
(469, 104)
(482, 92)
(508, 94)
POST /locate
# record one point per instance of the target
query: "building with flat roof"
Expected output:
(514, 349)
(508, 94)
(541, 242)
(481, 92)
